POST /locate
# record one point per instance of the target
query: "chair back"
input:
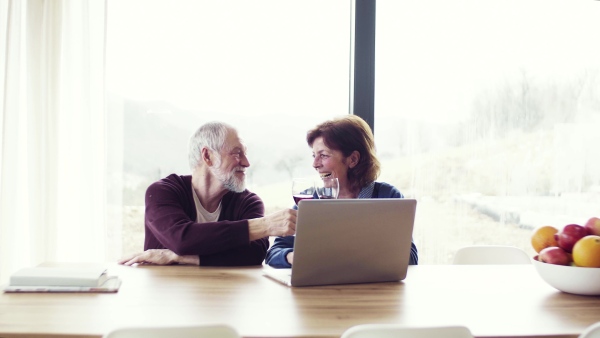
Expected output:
(200, 331)
(592, 331)
(490, 254)
(399, 331)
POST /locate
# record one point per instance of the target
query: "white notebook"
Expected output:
(63, 279)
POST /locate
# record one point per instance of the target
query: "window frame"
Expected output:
(362, 62)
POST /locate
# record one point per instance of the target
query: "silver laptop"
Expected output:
(349, 241)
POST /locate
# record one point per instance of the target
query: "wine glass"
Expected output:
(302, 189)
(327, 188)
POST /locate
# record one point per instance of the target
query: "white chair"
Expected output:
(592, 331)
(490, 254)
(399, 331)
(199, 331)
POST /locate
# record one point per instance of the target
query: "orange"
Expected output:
(543, 237)
(586, 252)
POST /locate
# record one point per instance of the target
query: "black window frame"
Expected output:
(362, 61)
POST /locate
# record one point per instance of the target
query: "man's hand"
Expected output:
(281, 223)
(290, 257)
(159, 257)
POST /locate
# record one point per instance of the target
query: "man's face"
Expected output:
(231, 168)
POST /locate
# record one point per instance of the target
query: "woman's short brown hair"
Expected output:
(348, 134)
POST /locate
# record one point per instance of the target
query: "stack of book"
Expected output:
(63, 279)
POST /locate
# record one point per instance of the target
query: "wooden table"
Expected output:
(492, 301)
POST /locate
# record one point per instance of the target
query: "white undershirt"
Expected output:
(204, 216)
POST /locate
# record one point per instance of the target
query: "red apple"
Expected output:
(593, 226)
(569, 235)
(554, 255)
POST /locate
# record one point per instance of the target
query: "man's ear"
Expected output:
(207, 156)
(353, 159)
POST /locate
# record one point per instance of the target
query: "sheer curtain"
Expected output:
(53, 173)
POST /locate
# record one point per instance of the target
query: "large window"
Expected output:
(271, 68)
(487, 112)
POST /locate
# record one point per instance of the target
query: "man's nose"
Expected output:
(244, 162)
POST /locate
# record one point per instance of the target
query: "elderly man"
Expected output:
(209, 218)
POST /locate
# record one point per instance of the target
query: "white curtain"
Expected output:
(53, 173)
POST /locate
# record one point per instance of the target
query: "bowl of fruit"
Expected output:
(568, 259)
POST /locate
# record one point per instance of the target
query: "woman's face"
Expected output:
(329, 162)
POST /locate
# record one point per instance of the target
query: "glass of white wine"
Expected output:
(327, 188)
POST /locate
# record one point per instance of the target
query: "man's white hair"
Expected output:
(211, 135)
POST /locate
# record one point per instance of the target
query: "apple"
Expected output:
(569, 235)
(554, 255)
(593, 226)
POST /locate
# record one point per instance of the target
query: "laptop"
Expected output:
(346, 241)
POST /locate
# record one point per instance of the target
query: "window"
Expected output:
(271, 68)
(487, 112)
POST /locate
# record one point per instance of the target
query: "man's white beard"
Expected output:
(229, 180)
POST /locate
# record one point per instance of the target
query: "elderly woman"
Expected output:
(344, 148)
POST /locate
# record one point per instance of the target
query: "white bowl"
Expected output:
(570, 279)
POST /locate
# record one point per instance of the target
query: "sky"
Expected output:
(265, 58)
(440, 54)
(232, 56)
